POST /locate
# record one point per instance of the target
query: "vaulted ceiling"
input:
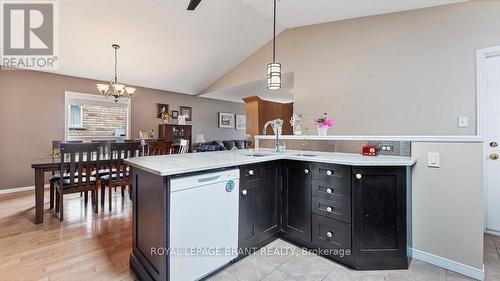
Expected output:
(164, 46)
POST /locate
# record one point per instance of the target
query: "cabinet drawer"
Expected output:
(330, 234)
(331, 173)
(339, 210)
(249, 172)
(339, 190)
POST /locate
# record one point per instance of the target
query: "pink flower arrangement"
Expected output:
(323, 121)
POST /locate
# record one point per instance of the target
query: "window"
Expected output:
(91, 117)
(75, 116)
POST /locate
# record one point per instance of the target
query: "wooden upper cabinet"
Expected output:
(259, 112)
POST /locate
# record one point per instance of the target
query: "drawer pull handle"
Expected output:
(306, 171)
(329, 190)
(244, 192)
(359, 176)
(250, 172)
(329, 234)
(329, 209)
(329, 172)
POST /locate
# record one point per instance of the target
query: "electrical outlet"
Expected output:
(386, 147)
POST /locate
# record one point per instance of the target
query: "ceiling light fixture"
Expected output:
(114, 88)
(274, 68)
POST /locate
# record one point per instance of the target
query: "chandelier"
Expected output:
(274, 68)
(114, 88)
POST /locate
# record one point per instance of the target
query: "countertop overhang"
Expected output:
(166, 165)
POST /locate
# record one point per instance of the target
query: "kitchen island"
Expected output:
(351, 208)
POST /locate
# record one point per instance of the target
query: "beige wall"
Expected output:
(403, 73)
(448, 202)
(32, 115)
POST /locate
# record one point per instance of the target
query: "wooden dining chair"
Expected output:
(183, 146)
(55, 154)
(77, 173)
(159, 148)
(122, 178)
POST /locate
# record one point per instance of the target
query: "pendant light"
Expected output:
(114, 88)
(274, 68)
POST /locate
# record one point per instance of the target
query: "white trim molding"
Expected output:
(19, 189)
(461, 268)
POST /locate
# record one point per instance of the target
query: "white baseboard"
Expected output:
(492, 232)
(19, 189)
(461, 268)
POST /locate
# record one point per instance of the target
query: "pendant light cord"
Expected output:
(274, 33)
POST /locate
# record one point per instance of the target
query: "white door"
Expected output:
(491, 133)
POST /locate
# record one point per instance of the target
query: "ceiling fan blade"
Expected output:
(193, 4)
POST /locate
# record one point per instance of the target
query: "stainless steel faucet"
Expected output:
(277, 147)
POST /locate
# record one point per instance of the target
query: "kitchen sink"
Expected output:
(258, 155)
(306, 155)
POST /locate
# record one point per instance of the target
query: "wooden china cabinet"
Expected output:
(173, 133)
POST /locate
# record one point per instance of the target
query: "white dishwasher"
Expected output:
(203, 223)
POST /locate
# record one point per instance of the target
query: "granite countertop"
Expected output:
(165, 165)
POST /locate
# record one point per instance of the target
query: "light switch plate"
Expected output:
(463, 122)
(433, 159)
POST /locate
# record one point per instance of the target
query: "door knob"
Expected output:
(329, 190)
(306, 171)
(494, 156)
(329, 173)
(329, 209)
(329, 234)
(244, 192)
(250, 172)
(493, 144)
(358, 176)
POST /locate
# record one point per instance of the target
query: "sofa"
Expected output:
(221, 145)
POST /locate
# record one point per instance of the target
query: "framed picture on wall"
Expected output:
(161, 109)
(175, 114)
(241, 122)
(188, 112)
(226, 120)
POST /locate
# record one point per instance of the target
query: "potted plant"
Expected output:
(323, 123)
(277, 125)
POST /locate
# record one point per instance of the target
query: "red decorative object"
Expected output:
(370, 150)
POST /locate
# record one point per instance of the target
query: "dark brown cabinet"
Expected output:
(260, 204)
(297, 200)
(379, 217)
(174, 133)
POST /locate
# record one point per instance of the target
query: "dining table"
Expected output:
(42, 166)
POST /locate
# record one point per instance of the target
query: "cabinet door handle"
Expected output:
(250, 172)
(329, 172)
(244, 192)
(306, 171)
(329, 234)
(329, 209)
(359, 176)
(329, 190)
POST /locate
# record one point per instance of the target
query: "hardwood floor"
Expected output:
(85, 246)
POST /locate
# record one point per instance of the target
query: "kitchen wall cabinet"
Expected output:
(297, 200)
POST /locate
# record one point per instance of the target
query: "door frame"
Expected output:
(481, 56)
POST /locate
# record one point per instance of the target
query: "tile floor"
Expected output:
(291, 265)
